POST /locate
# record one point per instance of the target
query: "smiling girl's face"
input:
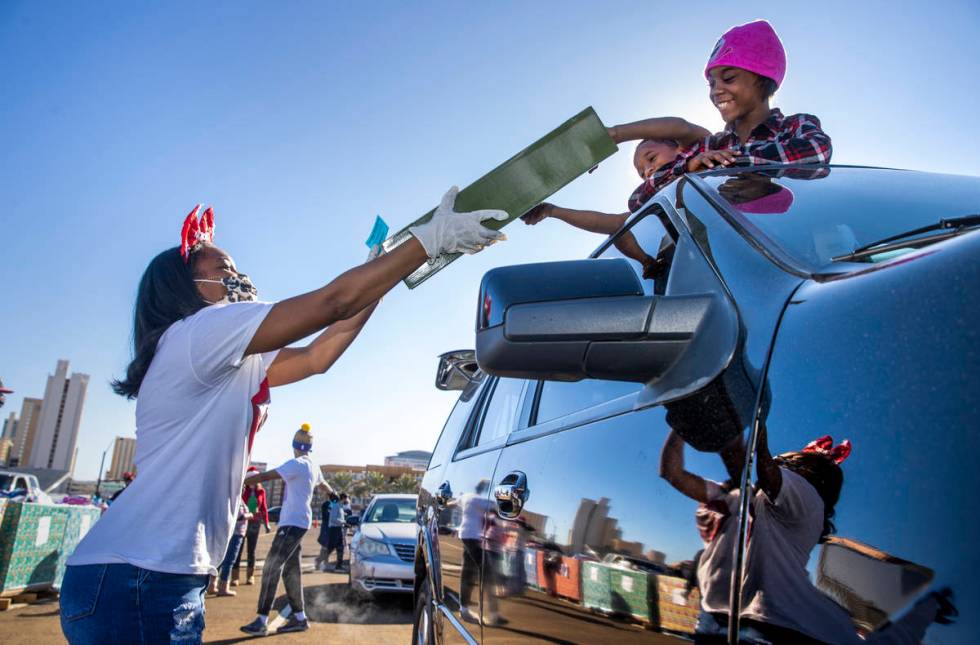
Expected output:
(736, 92)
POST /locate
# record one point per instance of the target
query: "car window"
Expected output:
(501, 410)
(392, 510)
(559, 398)
(454, 427)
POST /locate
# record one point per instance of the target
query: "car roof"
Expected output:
(395, 496)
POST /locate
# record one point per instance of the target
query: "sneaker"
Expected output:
(495, 621)
(467, 615)
(250, 580)
(294, 625)
(255, 628)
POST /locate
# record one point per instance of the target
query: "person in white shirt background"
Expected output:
(206, 353)
(302, 477)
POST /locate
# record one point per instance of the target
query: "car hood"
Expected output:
(389, 531)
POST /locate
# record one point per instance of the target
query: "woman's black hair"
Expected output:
(166, 294)
(767, 86)
(824, 475)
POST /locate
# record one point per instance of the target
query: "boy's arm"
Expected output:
(592, 221)
(672, 470)
(666, 127)
(257, 478)
(802, 141)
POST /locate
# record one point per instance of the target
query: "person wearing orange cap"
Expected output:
(301, 476)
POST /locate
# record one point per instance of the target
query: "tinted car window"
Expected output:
(454, 427)
(561, 398)
(501, 411)
(815, 214)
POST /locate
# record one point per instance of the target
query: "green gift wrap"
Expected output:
(524, 181)
(79, 520)
(595, 587)
(31, 537)
(633, 593)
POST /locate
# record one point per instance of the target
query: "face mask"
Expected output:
(238, 288)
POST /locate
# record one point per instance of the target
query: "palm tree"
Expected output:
(341, 481)
(404, 483)
(374, 482)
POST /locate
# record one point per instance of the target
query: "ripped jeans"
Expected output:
(122, 604)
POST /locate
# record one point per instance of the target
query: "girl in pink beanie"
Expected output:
(744, 70)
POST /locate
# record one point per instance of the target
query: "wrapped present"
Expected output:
(31, 537)
(524, 180)
(595, 587)
(678, 609)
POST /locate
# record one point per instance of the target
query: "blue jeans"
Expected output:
(121, 604)
(234, 546)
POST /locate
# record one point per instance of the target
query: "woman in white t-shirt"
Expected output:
(206, 353)
(790, 512)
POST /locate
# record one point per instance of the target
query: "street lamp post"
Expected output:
(98, 482)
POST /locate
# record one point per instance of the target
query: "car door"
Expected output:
(591, 544)
(462, 498)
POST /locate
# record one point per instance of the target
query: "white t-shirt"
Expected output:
(474, 508)
(777, 588)
(301, 476)
(718, 524)
(199, 407)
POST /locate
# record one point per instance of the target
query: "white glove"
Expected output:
(452, 232)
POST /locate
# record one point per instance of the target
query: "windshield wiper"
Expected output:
(951, 226)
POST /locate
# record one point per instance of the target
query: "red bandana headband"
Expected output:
(196, 232)
(825, 446)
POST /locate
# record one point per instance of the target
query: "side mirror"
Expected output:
(568, 321)
(353, 520)
(457, 370)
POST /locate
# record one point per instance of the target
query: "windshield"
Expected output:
(392, 510)
(816, 214)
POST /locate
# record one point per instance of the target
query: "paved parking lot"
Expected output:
(336, 615)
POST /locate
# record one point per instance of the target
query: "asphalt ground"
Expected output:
(336, 615)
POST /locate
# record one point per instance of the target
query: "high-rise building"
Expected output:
(5, 446)
(10, 427)
(122, 457)
(61, 414)
(30, 414)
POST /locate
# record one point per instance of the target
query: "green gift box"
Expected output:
(524, 181)
(31, 537)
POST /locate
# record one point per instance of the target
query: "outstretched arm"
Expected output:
(296, 318)
(296, 363)
(672, 470)
(770, 477)
(666, 127)
(592, 221)
(268, 475)
(446, 231)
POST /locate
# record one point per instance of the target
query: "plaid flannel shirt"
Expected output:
(796, 139)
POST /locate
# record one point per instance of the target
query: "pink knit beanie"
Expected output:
(753, 46)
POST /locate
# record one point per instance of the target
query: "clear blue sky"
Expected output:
(300, 121)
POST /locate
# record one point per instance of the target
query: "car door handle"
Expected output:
(511, 493)
(444, 493)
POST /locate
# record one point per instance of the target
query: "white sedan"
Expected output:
(382, 552)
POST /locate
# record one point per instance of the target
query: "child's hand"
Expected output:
(709, 158)
(537, 213)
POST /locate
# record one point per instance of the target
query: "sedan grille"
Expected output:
(405, 551)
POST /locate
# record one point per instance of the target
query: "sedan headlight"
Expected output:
(368, 547)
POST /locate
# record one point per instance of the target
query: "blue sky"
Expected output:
(300, 121)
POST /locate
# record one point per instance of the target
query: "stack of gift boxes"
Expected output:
(35, 542)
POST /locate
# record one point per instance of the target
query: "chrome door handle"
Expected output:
(511, 493)
(444, 493)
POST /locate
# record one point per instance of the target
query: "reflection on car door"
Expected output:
(464, 500)
(603, 550)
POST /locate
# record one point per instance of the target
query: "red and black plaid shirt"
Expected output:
(796, 139)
